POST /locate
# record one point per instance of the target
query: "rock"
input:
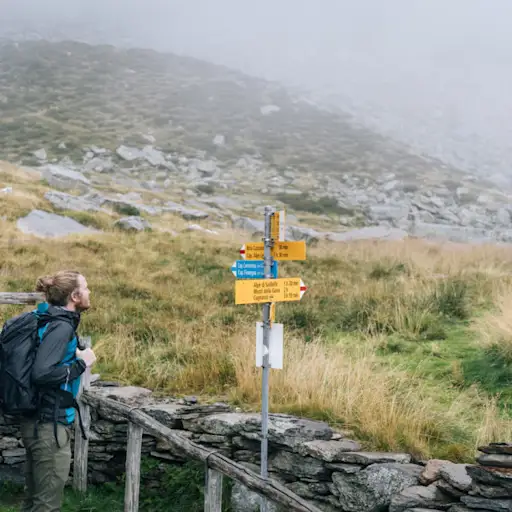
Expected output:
(252, 226)
(63, 178)
(496, 460)
(328, 451)
(154, 157)
(129, 154)
(126, 394)
(347, 469)
(503, 448)
(186, 213)
(62, 145)
(98, 164)
(14, 456)
(63, 201)
(491, 476)
(98, 151)
(449, 490)
(133, 223)
(394, 214)
(372, 489)
(368, 233)
(282, 430)
(498, 505)
(7, 443)
(423, 497)
(172, 414)
(40, 154)
(244, 500)
(456, 475)
(488, 491)
(432, 471)
(49, 225)
(368, 458)
(298, 233)
(297, 466)
(207, 168)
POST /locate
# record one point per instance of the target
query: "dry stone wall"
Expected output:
(309, 457)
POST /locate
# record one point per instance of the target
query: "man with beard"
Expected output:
(59, 362)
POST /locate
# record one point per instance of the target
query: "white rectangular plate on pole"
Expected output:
(275, 345)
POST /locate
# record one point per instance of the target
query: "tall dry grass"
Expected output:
(495, 327)
(164, 316)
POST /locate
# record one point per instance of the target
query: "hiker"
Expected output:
(58, 364)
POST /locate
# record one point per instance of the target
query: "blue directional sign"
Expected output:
(252, 269)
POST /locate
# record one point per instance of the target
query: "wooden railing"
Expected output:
(216, 465)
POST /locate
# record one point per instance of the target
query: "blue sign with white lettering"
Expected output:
(252, 269)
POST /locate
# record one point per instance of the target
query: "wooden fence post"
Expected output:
(213, 491)
(81, 452)
(133, 458)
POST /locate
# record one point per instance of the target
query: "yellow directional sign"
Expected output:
(277, 226)
(281, 251)
(257, 291)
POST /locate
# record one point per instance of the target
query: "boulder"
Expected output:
(63, 201)
(457, 476)
(40, 154)
(133, 223)
(49, 225)
(128, 153)
(297, 466)
(421, 497)
(328, 451)
(497, 505)
(62, 178)
(372, 489)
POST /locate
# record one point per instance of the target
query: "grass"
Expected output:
(400, 342)
(162, 486)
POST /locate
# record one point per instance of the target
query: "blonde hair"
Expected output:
(58, 287)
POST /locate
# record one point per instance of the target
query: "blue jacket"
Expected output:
(56, 366)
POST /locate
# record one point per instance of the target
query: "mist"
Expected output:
(433, 74)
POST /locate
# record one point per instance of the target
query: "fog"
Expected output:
(434, 74)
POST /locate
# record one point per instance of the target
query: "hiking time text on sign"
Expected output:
(258, 291)
(291, 251)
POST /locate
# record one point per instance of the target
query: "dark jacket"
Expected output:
(56, 366)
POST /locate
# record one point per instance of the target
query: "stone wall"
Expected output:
(307, 456)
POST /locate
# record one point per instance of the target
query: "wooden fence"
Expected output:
(216, 465)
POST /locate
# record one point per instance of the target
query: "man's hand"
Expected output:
(87, 356)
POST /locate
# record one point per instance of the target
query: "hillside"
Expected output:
(403, 342)
(148, 172)
(192, 130)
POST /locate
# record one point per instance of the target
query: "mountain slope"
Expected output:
(101, 95)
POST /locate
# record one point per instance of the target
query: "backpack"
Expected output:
(18, 347)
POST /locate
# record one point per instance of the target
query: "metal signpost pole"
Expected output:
(267, 256)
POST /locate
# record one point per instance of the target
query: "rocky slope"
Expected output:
(216, 144)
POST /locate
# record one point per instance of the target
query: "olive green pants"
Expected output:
(47, 466)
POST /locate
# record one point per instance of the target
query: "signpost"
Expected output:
(254, 269)
(259, 291)
(280, 251)
(277, 227)
(258, 283)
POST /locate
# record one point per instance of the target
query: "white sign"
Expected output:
(275, 345)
